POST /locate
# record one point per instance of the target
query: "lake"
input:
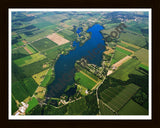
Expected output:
(64, 67)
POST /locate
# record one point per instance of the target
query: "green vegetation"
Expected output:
(117, 97)
(47, 78)
(77, 107)
(31, 48)
(19, 53)
(123, 51)
(84, 80)
(132, 108)
(144, 67)
(105, 110)
(118, 55)
(133, 38)
(24, 88)
(52, 110)
(127, 46)
(67, 34)
(32, 103)
(14, 106)
(126, 69)
(142, 55)
(43, 44)
(29, 59)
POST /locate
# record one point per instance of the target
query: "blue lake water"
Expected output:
(79, 30)
(64, 67)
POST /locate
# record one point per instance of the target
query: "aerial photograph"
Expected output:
(79, 63)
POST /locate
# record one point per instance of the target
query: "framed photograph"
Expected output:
(81, 64)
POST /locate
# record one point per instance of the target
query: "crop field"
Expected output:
(144, 67)
(77, 107)
(32, 103)
(108, 50)
(131, 45)
(135, 39)
(125, 69)
(40, 35)
(57, 39)
(24, 88)
(30, 48)
(53, 52)
(39, 77)
(119, 63)
(88, 73)
(18, 53)
(105, 110)
(84, 80)
(43, 44)
(123, 51)
(29, 59)
(43, 24)
(40, 92)
(128, 46)
(67, 34)
(47, 78)
(117, 56)
(117, 97)
(72, 22)
(132, 108)
(142, 55)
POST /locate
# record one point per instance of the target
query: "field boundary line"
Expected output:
(125, 49)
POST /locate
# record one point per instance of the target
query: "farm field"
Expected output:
(142, 55)
(32, 103)
(40, 92)
(24, 88)
(84, 80)
(43, 44)
(119, 63)
(18, 53)
(125, 69)
(39, 77)
(57, 39)
(81, 89)
(29, 49)
(47, 78)
(135, 39)
(105, 110)
(117, 57)
(117, 97)
(29, 59)
(128, 46)
(144, 67)
(132, 108)
(123, 51)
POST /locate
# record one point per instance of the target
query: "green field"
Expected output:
(105, 110)
(116, 98)
(24, 88)
(43, 44)
(32, 103)
(132, 108)
(123, 51)
(29, 59)
(18, 53)
(118, 55)
(77, 107)
(31, 48)
(47, 78)
(143, 56)
(67, 34)
(144, 67)
(53, 52)
(133, 38)
(126, 69)
(84, 80)
(127, 46)
(14, 106)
